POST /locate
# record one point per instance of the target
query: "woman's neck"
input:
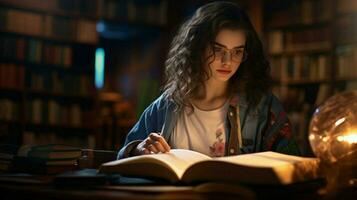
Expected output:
(212, 95)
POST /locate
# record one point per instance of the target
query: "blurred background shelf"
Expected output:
(312, 53)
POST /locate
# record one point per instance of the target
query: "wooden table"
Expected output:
(44, 188)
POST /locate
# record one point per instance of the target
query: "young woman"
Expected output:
(216, 99)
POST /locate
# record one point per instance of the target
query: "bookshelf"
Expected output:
(47, 92)
(311, 46)
(133, 38)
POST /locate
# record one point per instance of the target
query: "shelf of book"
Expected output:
(17, 90)
(148, 13)
(151, 13)
(302, 81)
(44, 38)
(138, 50)
(312, 54)
(10, 121)
(75, 97)
(51, 7)
(346, 6)
(345, 79)
(74, 130)
(47, 59)
(303, 51)
(299, 26)
(48, 26)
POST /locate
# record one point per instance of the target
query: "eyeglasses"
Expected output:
(237, 54)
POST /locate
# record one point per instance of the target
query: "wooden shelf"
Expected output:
(42, 66)
(299, 26)
(45, 94)
(302, 52)
(48, 11)
(57, 128)
(134, 24)
(52, 39)
(301, 56)
(343, 79)
(14, 122)
(16, 90)
(347, 14)
(302, 81)
(49, 47)
(347, 43)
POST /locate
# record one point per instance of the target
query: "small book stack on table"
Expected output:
(44, 159)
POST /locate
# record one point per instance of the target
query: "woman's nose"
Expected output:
(227, 58)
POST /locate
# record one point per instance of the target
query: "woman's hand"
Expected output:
(153, 143)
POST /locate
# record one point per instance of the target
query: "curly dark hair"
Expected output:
(186, 58)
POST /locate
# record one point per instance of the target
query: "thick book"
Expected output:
(8, 151)
(7, 154)
(188, 166)
(51, 152)
(39, 159)
(35, 165)
(55, 154)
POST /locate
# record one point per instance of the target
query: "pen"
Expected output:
(162, 130)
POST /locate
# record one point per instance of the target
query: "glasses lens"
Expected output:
(238, 55)
(234, 54)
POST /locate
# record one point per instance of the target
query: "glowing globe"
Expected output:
(333, 129)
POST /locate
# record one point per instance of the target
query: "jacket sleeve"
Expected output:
(151, 120)
(278, 135)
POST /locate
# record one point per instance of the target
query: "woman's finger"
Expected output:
(164, 144)
(148, 141)
(146, 151)
(161, 140)
(152, 148)
(159, 146)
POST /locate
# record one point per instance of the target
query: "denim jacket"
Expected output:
(264, 127)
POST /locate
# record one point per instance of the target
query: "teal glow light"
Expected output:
(99, 68)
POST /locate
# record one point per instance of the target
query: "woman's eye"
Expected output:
(217, 49)
(238, 52)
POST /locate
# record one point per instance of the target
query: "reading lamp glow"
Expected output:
(333, 138)
(350, 138)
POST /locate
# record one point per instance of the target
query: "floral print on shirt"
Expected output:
(281, 139)
(218, 147)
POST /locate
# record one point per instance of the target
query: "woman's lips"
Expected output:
(221, 71)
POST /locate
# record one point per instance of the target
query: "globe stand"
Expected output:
(341, 177)
(333, 139)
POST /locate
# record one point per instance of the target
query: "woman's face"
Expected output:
(229, 53)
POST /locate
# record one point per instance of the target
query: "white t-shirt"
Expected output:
(201, 131)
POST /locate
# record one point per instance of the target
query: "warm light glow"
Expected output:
(340, 121)
(312, 137)
(350, 138)
(325, 139)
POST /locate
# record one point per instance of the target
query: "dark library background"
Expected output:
(80, 72)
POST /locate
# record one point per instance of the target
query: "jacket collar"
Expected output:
(238, 100)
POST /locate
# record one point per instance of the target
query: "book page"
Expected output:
(287, 167)
(180, 159)
(177, 159)
(267, 159)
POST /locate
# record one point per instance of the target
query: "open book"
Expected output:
(188, 166)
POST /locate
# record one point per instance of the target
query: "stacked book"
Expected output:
(7, 154)
(45, 159)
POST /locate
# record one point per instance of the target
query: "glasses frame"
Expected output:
(244, 58)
